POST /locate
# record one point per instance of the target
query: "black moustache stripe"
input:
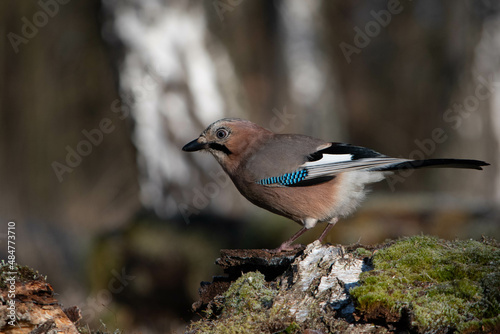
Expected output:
(220, 147)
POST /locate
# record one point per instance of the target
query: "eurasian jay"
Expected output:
(299, 177)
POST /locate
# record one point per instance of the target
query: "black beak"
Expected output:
(193, 146)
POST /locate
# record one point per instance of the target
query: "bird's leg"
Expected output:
(287, 245)
(328, 228)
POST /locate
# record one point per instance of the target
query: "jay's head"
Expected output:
(229, 140)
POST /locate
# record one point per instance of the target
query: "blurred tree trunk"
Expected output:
(175, 79)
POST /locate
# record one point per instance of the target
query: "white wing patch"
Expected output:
(328, 159)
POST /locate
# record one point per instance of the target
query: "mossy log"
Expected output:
(419, 285)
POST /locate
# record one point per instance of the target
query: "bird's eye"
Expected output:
(221, 133)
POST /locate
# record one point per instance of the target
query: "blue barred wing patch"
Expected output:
(287, 179)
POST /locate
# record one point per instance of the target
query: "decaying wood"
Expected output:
(36, 311)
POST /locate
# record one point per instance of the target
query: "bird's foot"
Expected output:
(285, 247)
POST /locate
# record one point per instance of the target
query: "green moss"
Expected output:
(292, 328)
(441, 283)
(362, 252)
(21, 273)
(248, 294)
(248, 308)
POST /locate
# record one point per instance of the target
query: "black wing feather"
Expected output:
(357, 152)
(435, 163)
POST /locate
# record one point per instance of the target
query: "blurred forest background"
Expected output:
(98, 97)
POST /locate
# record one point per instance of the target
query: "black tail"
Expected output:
(435, 163)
